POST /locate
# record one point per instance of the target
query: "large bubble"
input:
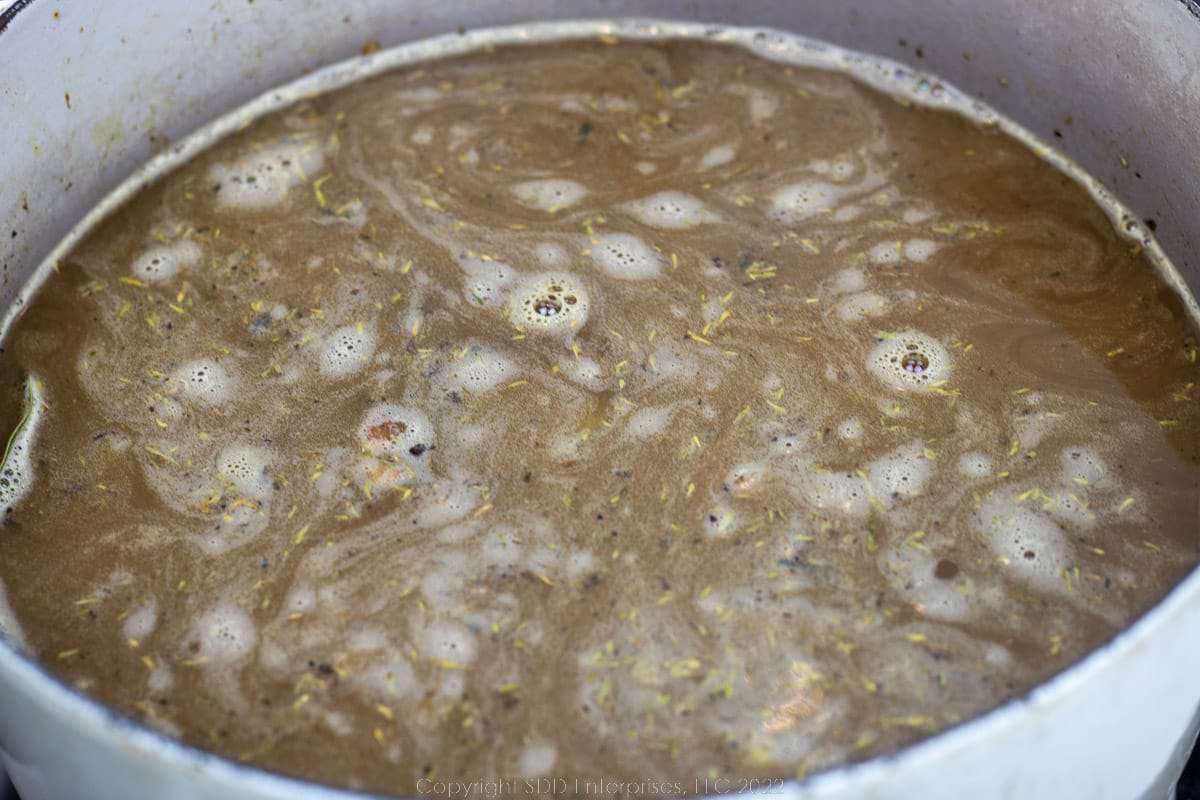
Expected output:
(549, 302)
(909, 360)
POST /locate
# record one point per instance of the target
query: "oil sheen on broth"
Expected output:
(638, 410)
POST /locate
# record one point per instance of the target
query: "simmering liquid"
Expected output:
(651, 411)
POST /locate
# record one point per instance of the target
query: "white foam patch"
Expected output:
(447, 503)
(301, 598)
(799, 201)
(909, 360)
(848, 281)
(393, 677)
(141, 622)
(549, 194)
(886, 253)
(346, 350)
(761, 104)
(263, 178)
(580, 564)
(1083, 466)
(670, 362)
(849, 429)
(1030, 429)
(718, 156)
(584, 371)
(10, 629)
(16, 473)
(225, 635)
(537, 759)
(204, 381)
(549, 302)
(626, 257)
(1069, 507)
(1030, 546)
(862, 306)
(900, 474)
(670, 210)
(481, 368)
(449, 641)
(842, 169)
(485, 279)
(919, 250)
(159, 264)
(245, 467)
(649, 421)
(645, 167)
(975, 465)
(911, 573)
(836, 492)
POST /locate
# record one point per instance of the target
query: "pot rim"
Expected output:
(98, 721)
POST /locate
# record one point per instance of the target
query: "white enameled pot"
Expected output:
(91, 89)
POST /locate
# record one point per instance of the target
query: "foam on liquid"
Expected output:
(597, 417)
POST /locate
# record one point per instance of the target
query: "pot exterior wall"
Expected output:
(93, 89)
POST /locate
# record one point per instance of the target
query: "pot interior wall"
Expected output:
(92, 90)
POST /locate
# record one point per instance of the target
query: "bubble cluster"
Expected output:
(549, 302)
(886, 253)
(849, 429)
(624, 256)
(841, 493)
(245, 468)
(480, 368)
(670, 210)
(204, 381)
(485, 278)
(347, 350)
(159, 264)
(1083, 466)
(263, 178)
(799, 201)
(901, 473)
(549, 194)
(975, 465)
(1028, 544)
(908, 360)
(223, 635)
